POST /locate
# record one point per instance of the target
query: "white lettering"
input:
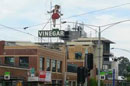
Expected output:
(50, 33)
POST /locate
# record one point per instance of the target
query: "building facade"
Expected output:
(24, 63)
(77, 49)
(105, 50)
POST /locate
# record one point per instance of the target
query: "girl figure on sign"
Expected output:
(55, 14)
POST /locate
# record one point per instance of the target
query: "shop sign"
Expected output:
(45, 76)
(32, 71)
(7, 76)
(51, 33)
(48, 76)
(32, 78)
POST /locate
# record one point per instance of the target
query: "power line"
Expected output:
(17, 30)
(97, 10)
(34, 25)
(80, 15)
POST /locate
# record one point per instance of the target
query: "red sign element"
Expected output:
(42, 74)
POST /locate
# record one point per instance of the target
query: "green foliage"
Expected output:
(94, 82)
(128, 78)
(102, 83)
(124, 68)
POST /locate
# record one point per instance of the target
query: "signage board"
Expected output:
(42, 76)
(33, 79)
(48, 76)
(45, 76)
(7, 75)
(32, 71)
(102, 73)
(51, 33)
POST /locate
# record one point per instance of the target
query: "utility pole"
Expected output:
(85, 65)
(66, 56)
(99, 54)
(99, 40)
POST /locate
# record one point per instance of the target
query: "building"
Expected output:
(105, 50)
(27, 63)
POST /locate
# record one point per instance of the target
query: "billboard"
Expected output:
(51, 33)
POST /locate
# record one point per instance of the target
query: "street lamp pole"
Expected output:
(99, 40)
(99, 54)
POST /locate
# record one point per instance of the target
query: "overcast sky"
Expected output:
(22, 13)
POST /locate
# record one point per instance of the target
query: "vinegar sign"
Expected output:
(51, 33)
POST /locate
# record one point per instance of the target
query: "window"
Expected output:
(59, 82)
(59, 66)
(41, 63)
(0, 61)
(105, 66)
(48, 65)
(9, 61)
(78, 55)
(74, 83)
(70, 83)
(106, 47)
(53, 82)
(24, 62)
(72, 68)
(106, 58)
(56, 83)
(53, 62)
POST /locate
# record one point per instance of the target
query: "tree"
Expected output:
(124, 67)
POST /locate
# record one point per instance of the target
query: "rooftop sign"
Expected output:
(51, 33)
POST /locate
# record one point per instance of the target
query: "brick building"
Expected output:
(24, 61)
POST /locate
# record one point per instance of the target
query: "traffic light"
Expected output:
(85, 72)
(89, 61)
(81, 74)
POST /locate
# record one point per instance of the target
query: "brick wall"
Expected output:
(19, 73)
(2, 47)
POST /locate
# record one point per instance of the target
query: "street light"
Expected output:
(99, 39)
(99, 42)
(121, 49)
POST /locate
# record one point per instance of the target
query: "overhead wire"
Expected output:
(80, 14)
(62, 19)
(26, 27)
(97, 10)
(46, 23)
(17, 30)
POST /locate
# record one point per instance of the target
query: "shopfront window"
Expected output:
(0, 61)
(59, 66)
(72, 68)
(48, 65)
(53, 62)
(59, 82)
(9, 61)
(24, 62)
(41, 63)
(53, 82)
(74, 83)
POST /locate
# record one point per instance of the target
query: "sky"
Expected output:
(18, 14)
